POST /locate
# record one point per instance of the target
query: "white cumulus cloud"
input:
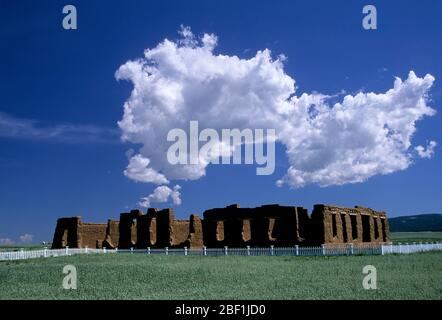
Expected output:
(162, 194)
(138, 170)
(427, 152)
(6, 241)
(326, 143)
(26, 238)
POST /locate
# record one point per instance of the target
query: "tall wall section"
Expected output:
(262, 226)
(333, 224)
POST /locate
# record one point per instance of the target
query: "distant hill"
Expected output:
(421, 222)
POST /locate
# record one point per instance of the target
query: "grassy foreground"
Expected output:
(138, 276)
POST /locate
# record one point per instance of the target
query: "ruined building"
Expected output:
(230, 226)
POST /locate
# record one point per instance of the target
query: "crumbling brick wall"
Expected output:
(112, 234)
(262, 226)
(73, 233)
(158, 229)
(128, 229)
(91, 234)
(230, 226)
(334, 225)
(66, 233)
(164, 221)
(180, 232)
(195, 237)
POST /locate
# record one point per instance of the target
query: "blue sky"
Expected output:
(61, 153)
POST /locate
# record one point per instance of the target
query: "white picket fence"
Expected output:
(45, 253)
(324, 250)
(411, 247)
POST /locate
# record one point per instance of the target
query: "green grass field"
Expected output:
(411, 237)
(24, 247)
(138, 276)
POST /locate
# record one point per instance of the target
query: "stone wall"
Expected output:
(231, 226)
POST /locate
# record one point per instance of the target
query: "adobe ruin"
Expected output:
(231, 226)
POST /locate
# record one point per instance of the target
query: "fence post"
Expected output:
(248, 250)
(272, 250)
(185, 251)
(350, 249)
(148, 250)
(225, 250)
(67, 250)
(166, 250)
(323, 249)
(131, 250)
(297, 250)
(86, 249)
(400, 247)
(45, 252)
(382, 249)
(205, 250)
(104, 249)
